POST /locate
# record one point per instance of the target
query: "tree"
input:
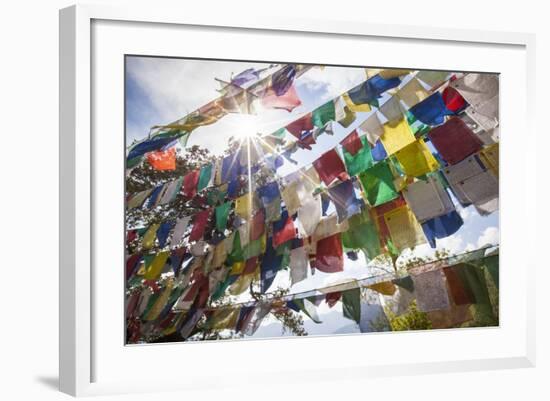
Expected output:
(144, 177)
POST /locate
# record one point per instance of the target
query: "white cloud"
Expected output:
(332, 81)
(490, 236)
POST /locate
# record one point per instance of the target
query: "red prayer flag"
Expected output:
(453, 99)
(285, 234)
(257, 226)
(190, 182)
(329, 257)
(332, 298)
(460, 294)
(162, 159)
(300, 125)
(288, 101)
(454, 140)
(199, 225)
(329, 167)
(250, 265)
(352, 143)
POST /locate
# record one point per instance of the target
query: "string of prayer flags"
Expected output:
(454, 140)
(432, 110)
(329, 256)
(330, 167)
(428, 199)
(343, 197)
(416, 159)
(377, 184)
(404, 229)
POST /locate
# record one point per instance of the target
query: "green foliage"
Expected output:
(412, 319)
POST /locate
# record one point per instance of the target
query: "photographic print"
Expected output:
(279, 199)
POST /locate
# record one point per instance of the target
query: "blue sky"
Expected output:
(160, 90)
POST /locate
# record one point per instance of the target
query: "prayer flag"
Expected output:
(329, 257)
(352, 143)
(432, 110)
(442, 226)
(396, 136)
(156, 267)
(416, 159)
(377, 184)
(162, 160)
(329, 167)
(412, 93)
(288, 101)
(164, 231)
(323, 114)
(351, 304)
(190, 181)
(404, 229)
(432, 78)
(343, 196)
(204, 177)
(283, 230)
(222, 213)
(300, 125)
(361, 160)
(431, 291)
(454, 140)
(372, 128)
(199, 225)
(148, 240)
(453, 100)
(428, 199)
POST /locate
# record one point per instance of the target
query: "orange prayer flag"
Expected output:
(162, 160)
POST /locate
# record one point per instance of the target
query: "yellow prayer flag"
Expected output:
(393, 73)
(225, 318)
(161, 302)
(157, 265)
(489, 156)
(150, 235)
(371, 72)
(355, 107)
(405, 231)
(220, 254)
(396, 136)
(385, 288)
(243, 206)
(291, 197)
(241, 284)
(416, 159)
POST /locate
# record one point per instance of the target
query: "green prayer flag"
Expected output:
(351, 304)
(491, 264)
(252, 249)
(308, 308)
(215, 196)
(323, 114)
(237, 254)
(362, 234)
(222, 213)
(359, 162)
(377, 184)
(204, 177)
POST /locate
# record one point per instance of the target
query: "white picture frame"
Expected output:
(80, 344)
